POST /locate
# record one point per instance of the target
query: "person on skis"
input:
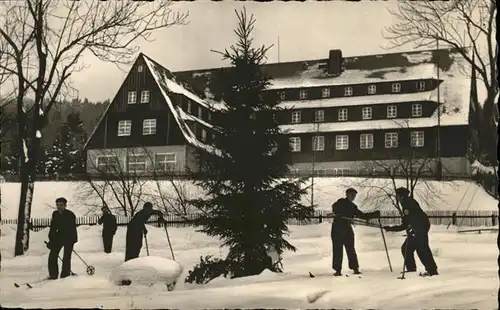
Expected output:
(62, 233)
(136, 229)
(109, 226)
(342, 234)
(417, 225)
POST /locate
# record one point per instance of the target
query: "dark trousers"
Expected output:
(133, 244)
(107, 241)
(53, 263)
(343, 236)
(420, 244)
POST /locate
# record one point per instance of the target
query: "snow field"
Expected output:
(467, 266)
(446, 195)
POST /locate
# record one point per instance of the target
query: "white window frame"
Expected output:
(325, 93)
(342, 142)
(391, 140)
(203, 134)
(303, 94)
(124, 128)
(416, 110)
(143, 164)
(200, 112)
(132, 97)
(348, 91)
(145, 96)
(417, 139)
(396, 87)
(164, 165)
(343, 114)
(421, 85)
(149, 127)
(366, 113)
(282, 95)
(392, 111)
(106, 166)
(372, 89)
(319, 116)
(318, 143)
(140, 68)
(296, 117)
(189, 106)
(295, 143)
(366, 141)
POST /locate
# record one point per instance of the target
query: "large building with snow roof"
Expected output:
(341, 112)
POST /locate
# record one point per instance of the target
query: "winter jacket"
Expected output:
(108, 222)
(138, 223)
(415, 220)
(345, 210)
(63, 228)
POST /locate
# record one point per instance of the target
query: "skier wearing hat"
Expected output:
(417, 225)
(109, 226)
(342, 234)
(136, 229)
(62, 233)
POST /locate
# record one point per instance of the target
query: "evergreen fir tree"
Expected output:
(249, 198)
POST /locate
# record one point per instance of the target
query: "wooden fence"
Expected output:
(469, 219)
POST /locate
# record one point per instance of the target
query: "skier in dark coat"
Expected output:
(136, 229)
(62, 233)
(417, 225)
(109, 226)
(342, 234)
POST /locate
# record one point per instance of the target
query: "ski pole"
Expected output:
(90, 268)
(355, 221)
(71, 272)
(385, 244)
(147, 248)
(404, 261)
(168, 239)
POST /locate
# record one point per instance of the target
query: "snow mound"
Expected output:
(148, 270)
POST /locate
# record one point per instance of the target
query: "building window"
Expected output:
(391, 140)
(149, 127)
(319, 116)
(107, 163)
(343, 114)
(416, 110)
(124, 128)
(200, 113)
(396, 87)
(326, 92)
(372, 89)
(209, 115)
(145, 96)
(342, 142)
(132, 97)
(303, 94)
(366, 141)
(295, 144)
(282, 95)
(136, 163)
(139, 68)
(417, 139)
(203, 135)
(189, 106)
(366, 113)
(348, 91)
(318, 143)
(392, 111)
(296, 116)
(164, 162)
(421, 85)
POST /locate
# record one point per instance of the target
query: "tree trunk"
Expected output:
(24, 215)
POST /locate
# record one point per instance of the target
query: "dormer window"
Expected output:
(372, 89)
(203, 135)
(209, 115)
(132, 97)
(303, 94)
(421, 85)
(348, 91)
(396, 87)
(326, 92)
(139, 68)
(282, 95)
(200, 113)
(189, 107)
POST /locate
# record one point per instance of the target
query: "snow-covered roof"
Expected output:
(167, 84)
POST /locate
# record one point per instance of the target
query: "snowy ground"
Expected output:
(467, 263)
(459, 195)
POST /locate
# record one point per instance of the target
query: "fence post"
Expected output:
(454, 218)
(320, 218)
(494, 219)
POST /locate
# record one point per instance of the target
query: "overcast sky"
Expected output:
(306, 31)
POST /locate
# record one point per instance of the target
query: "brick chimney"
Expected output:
(335, 62)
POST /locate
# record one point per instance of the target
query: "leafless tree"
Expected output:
(46, 41)
(459, 24)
